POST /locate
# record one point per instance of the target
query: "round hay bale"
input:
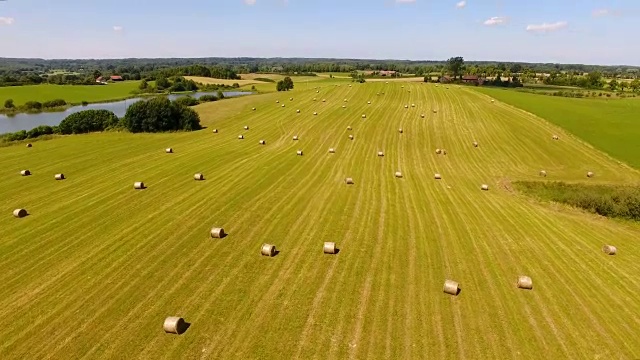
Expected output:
(525, 282)
(20, 213)
(330, 248)
(240, 137)
(277, 101)
(246, 127)
(589, 174)
(348, 181)
(364, 116)
(262, 142)
(290, 99)
(400, 130)
(422, 116)
(369, 102)
(168, 150)
(345, 100)
(398, 174)
(555, 137)
(349, 127)
(438, 151)
(25, 172)
(174, 325)
(493, 100)
(298, 111)
(324, 100)
(484, 187)
(299, 152)
(434, 111)
(543, 173)
(268, 250)
(254, 109)
(29, 145)
(283, 105)
(198, 177)
(413, 105)
(59, 177)
(317, 91)
(402, 86)
(451, 287)
(314, 99)
(344, 106)
(315, 113)
(350, 137)
(332, 150)
(295, 137)
(406, 106)
(437, 176)
(215, 131)
(475, 144)
(138, 185)
(609, 249)
(217, 233)
(380, 153)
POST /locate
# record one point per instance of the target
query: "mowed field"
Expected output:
(96, 267)
(70, 93)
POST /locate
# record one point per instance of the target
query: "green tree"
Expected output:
(622, 85)
(455, 66)
(160, 114)
(613, 84)
(635, 85)
(594, 80)
(143, 85)
(88, 121)
(162, 83)
(285, 84)
(96, 74)
(8, 104)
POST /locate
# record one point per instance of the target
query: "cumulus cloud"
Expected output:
(496, 20)
(545, 27)
(6, 20)
(117, 28)
(461, 4)
(250, 2)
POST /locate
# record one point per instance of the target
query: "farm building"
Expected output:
(472, 79)
(116, 78)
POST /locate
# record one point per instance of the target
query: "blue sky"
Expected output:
(566, 31)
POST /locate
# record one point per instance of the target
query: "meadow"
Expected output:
(73, 94)
(610, 125)
(96, 267)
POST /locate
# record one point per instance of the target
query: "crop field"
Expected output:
(70, 93)
(96, 266)
(610, 125)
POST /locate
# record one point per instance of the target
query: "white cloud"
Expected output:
(250, 2)
(117, 28)
(6, 20)
(544, 27)
(496, 20)
(461, 4)
(600, 12)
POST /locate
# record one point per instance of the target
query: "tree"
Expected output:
(594, 80)
(160, 114)
(143, 85)
(456, 65)
(96, 74)
(635, 85)
(88, 121)
(8, 104)
(622, 85)
(162, 83)
(285, 84)
(613, 84)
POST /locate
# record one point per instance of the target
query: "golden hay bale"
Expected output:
(174, 325)
(268, 250)
(298, 111)
(330, 248)
(348, 181)
(315, 113)
(290, 99)
(282, 105)
(525, 282)
(422, 116)
(277, 101)
(402, 86)
(332, 150)
(406, 106)
(262, 142)
(240, 137)
(364, 116)
(438, 151)
(20, 213)
(437, 176)
(475, 144)
(168, 150)
(246, 127)
(345, 100)
(59, 176)
(138, 185)
(543, 173)
(609, 249)
(451, 287)
(380, 153)
(254, 109)
(434, 111)
(350, 137)
(314, 99)
(324, 100)
(25, 172)
(349, 127)
(198, 177)
(344, 106)
(398, 174)
(590, 174)
(555, 137)
(317, 91)
(29, 145)
(295, 137)
(215, 131)
(369, 102)
(413, 105)
(400, 130)
(299, 152)
(217, 233)
(484, 187)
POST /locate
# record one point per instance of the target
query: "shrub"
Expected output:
(207, 98)
(8, 104)
(39, 131)
(17, 136)
(85, 103)
(160, 114)
(235, 85)
(88, 121)
(32, 105)
(54, 103)
(187, 101)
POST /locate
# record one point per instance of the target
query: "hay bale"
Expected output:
(240, 137)
(277, 101)
(349, 127)
(317, 91)
(451, 287)
(348, 181)
(198, 177)
(422, 116)
(437, 176)
(555, 137)
(25, 172)
(364, 116)
(406, 106)
(295, 137)
(380, 153)
(589, 174)
(434, 111)
(525, 282)
(609, 249)
(475, 144)
(330, 248)
(298, 111)
(168, 150)
(413, 105)
(262, 142)
(492, 100)
(369, 102)
(345, 100)
(254, 109)
(543, 173)
(350, 137)
(332, 150)
(290, 99)
(314, 99)
(484, 187)
(246, 127)
(268, 250)
(299, 152)
(400, 130)
(217, 233)
(29, 145)
(398, 174)
(402, 86)
(344, 106)
(438, 151)
(215, 131)
(20, 213)
(138, 185)
(59, 176)
(315, 113)
(282, 105)
(174, 325)
(444, 152)
(324, 100)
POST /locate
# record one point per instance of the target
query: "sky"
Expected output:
(550, 31)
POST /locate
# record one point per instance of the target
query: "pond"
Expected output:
(19, 122)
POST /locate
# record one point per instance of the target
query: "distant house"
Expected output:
(116, 78)
(388, 73)
(445, 79)
(101, 80)
(472, 79)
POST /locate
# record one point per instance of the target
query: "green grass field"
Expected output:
(610, 125)
(95, 268)
(70, 93)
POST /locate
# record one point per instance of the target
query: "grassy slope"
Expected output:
(97, 266)
(70, 93)
(610, 125)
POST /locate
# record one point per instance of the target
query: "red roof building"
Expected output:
(116, 78)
